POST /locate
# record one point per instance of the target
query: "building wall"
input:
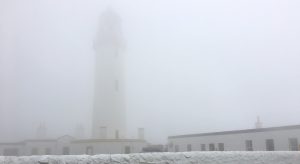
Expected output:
(62, 143)
(40, 148)
(68, 147)
(18, 147)
(107, 147)
(236, 142)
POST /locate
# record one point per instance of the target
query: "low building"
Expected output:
(61, 145)
(67, 145)
(284, 138)
(108, 146)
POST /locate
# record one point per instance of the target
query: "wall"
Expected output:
(166, 158)
(236, 142)
(113, 147)
(77, 147)
(41, 147)
(19, 147)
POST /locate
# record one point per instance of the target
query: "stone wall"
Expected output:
(164, 158)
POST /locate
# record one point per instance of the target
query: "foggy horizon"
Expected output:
(190, 66)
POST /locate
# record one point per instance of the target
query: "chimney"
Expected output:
(258, 124)
(79, 131)
(41, 132)
(103, 132)
(141, 134)
(117, 134)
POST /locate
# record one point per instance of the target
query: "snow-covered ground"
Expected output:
(164, 158)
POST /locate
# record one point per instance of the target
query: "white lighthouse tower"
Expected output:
(109, 108)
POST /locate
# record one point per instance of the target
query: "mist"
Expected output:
(190, 66)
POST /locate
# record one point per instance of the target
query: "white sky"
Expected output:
(192, 65)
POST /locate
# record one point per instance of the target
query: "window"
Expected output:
(212, 147)
(249, 145)
(176, 148)
(66, 150)
(127, 149)
(203, 147)
(189, 147)
(221, 146)
(89, 150)
(293, 144)
(270, 145)
(48, 151)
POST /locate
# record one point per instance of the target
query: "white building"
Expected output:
(108, 126)
(108, 146)
(282, 138)
(58, 146)
(109, 122)
(109, 104)
(67, 145)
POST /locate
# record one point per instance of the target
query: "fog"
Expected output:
(191, 66)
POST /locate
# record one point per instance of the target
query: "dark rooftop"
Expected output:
(280, 128)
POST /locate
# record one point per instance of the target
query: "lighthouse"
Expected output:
(109, 104)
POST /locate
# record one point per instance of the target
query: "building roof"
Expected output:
(65, 137)
(38, 140)
(107, 140)
(13, 143)
(280, 128)
(27, 141)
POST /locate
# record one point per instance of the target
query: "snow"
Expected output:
(164, 158)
